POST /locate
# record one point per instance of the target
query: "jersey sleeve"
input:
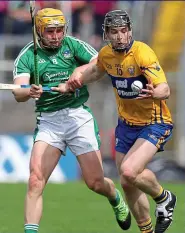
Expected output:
(149, 65)
(84, 52)
(100, 61)
(22, 66)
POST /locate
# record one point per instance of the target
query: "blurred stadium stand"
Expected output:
(158, 23)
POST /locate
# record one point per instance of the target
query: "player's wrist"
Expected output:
(157, 95)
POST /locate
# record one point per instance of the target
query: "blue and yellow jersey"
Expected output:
(138, 63)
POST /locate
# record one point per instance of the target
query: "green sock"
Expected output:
(116, 201)
(31, 228)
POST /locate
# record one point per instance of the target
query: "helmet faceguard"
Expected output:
(114, 20)
(50, 18)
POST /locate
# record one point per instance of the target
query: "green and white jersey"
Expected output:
(55, 68)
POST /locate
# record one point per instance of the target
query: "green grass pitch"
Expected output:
(72, 208)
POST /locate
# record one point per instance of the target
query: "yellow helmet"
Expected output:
(48, 17)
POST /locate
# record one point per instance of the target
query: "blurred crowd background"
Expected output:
(161, 24)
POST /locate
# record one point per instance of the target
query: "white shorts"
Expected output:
(75, 128)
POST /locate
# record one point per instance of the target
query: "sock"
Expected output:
(116, 201)
(31, 228)
(146, 227)
(161, 197)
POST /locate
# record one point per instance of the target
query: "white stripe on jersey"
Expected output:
(94, 57)
(89, 48)
(21, 75)
(19, 56)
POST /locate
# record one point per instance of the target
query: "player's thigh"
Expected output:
(91, 166)
(44, 158)
(132, 155)
(150, 139)
(140, 154)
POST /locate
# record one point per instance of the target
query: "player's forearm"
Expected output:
(21, 95)
(162, 91)
(82, 68)
(91, 74)
(77, 80)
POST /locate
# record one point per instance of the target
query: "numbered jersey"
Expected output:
(140, 63)
(55, 68)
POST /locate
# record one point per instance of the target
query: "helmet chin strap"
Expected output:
(119, 50)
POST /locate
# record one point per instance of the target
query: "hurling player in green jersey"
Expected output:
(62, 120)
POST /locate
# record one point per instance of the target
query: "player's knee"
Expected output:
(128, 174)
(95, 184)
(36, 183)
(125, 184)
